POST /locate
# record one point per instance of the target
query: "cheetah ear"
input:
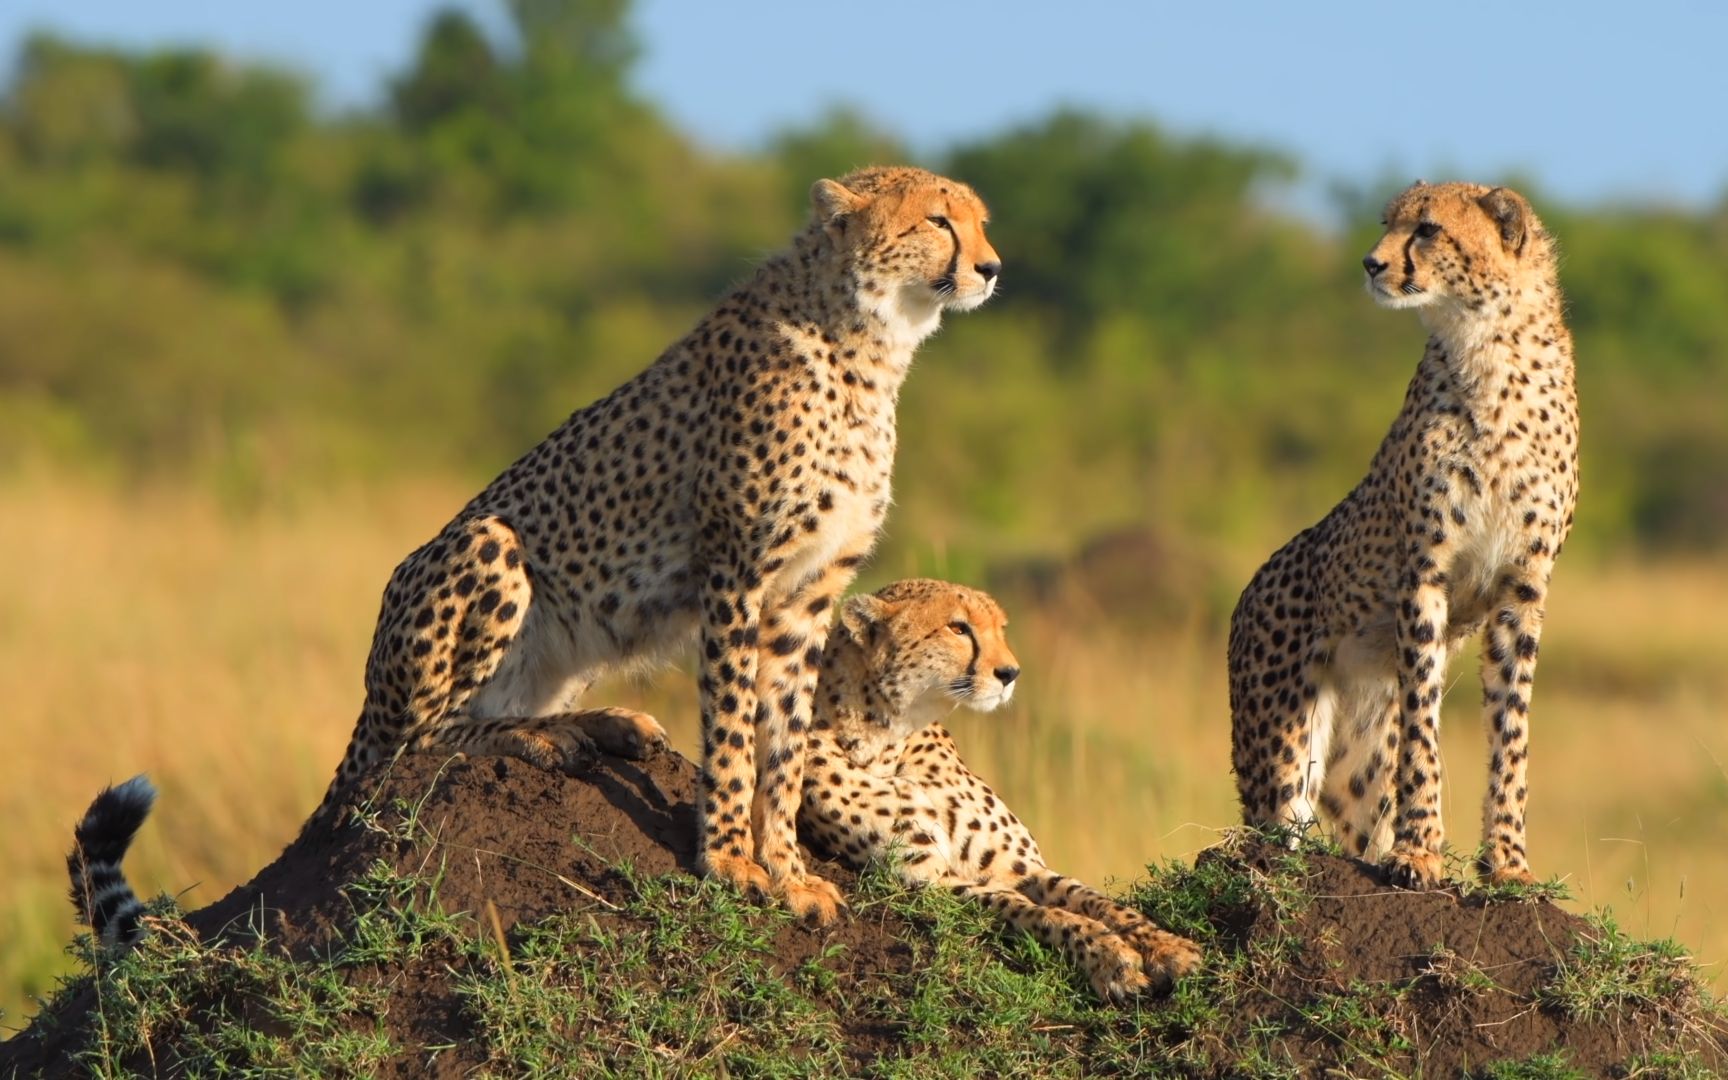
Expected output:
(1510, 213)
(863, 615)
(832, 201)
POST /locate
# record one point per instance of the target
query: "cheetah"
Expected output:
(1338, 646)
(726, 493)
(885, 778)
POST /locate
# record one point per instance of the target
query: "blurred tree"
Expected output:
(68, 106)
(545, 121)
(217, 122)
(192, 262)
(455, 71)
(179, 110)
(840, 141)
(1115, 216)
(587, 36)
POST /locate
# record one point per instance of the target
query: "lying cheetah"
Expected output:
(885, 777)
(730, 490)
(1338, 647)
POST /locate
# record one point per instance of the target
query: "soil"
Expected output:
(533, 843)
(1470, 969)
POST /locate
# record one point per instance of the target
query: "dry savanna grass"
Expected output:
(222, 653)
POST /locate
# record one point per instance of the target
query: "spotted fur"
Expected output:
(885, 781)
(1339, 645)
(101, 896)
(726, 493)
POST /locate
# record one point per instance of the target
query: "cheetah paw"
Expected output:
(1164, 956)
(1506, 873)
(1410, 867)
(744, 874)
(1115, 971)
(626, 733)
(817, 901)
(1510, 875)
(567, 750)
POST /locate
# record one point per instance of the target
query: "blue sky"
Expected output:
(1593, 101)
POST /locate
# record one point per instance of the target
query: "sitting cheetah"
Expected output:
(729, 491)
(885, 777)
(1338, 647)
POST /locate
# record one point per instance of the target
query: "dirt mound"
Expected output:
(498, 836)
(528, 842)
(1443, 983)
(508, 889)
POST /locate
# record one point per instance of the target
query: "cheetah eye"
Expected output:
(959, 628)
(1427, 230)
(938, 220)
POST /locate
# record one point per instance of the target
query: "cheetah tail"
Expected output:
(100, 893)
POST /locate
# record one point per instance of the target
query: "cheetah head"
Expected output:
(929, 647)
(914, 240)
(1457, 250)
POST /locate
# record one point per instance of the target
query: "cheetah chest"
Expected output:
(1492, 529)
(841, 517)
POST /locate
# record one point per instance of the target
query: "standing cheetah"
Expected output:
(728, 491)
(885, 778)
(1338, 647)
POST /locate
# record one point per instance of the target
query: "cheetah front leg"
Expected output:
(726, 785)
(789, 663)
(1165, 957)
(1509, 650)
(1418, 831)
(1113, 966)
(859, 816)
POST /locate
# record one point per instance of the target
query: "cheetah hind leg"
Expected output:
(563, 741)
(624, 733)
(1279, 778)
(1358, 791)
(1165, 957)
(1111, 964)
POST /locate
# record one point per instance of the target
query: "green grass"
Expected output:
(176, 1004)
(682, 977)
(1608, 972)
(1553, 1066)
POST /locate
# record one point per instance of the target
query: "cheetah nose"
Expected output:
(988, 270)
(1372, 265)
(1007, 674)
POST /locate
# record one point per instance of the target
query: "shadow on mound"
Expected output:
(485, 914)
